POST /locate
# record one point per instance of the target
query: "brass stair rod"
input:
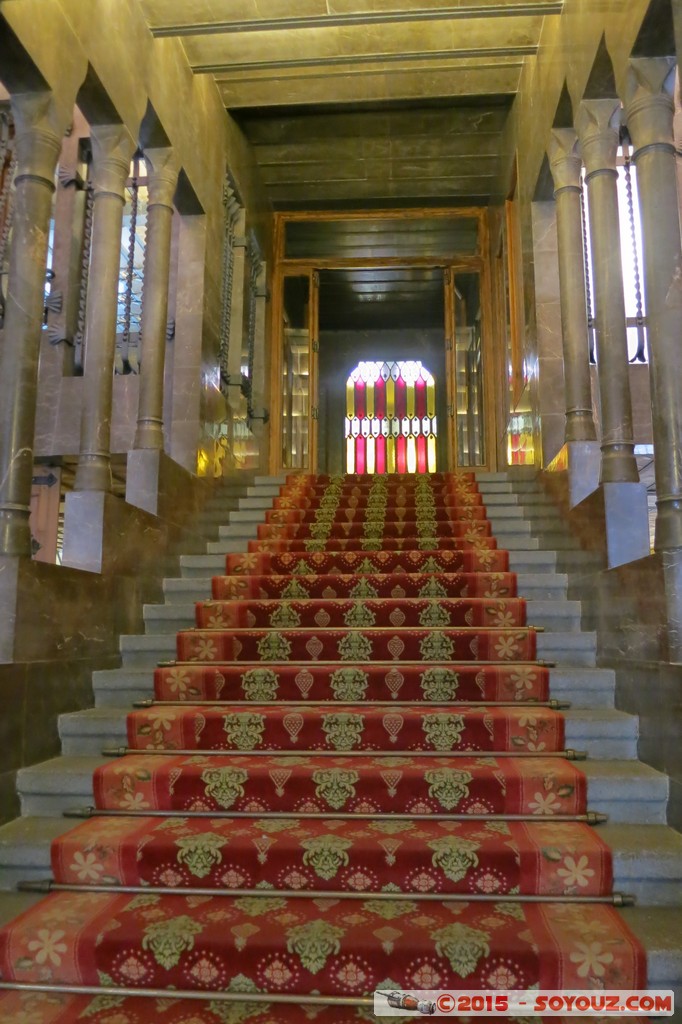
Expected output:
(189, 994)
(419, 705)
(567, 755)
(613, 899)
(589, 818)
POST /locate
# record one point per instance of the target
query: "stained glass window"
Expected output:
(390, 424)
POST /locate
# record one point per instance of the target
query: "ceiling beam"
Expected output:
(450, 186)
(371, 87)
(358, 170)
(223, 68)
(190, 26)
(479, 37)
(409, 126)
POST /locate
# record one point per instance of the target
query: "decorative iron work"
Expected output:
(253, 253)
(8, 162)
(640, 354)
(131, 270)
(232, 211)
(588, 274)
(130, 266)
(86, 245)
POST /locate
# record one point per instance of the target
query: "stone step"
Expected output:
(489, 487)
(657, 928)
(525, 557)
(628, 791)
(255, 504)
(270, 481)
(557, 615)
(522, 561)
(578, 648)
(245, 516)
(569, 648)
(584, 687)
(515, 536)
(179, 590)
(485, 477)
(121, 687)
(141, 650)
(647, 859)
(602, 733)
(537, 586)
(533, 586)
(264, 491)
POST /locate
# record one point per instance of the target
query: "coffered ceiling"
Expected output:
(361, 102)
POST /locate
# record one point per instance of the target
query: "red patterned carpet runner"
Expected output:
(355, 767)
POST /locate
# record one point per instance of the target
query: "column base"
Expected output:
(149, 436)
(627, 522)
(15, 532)
(584, 463)
(93, 473)
(618, 463)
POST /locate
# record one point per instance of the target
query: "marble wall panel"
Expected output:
(33, 695)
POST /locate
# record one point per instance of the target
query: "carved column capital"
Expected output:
(39, 133)
(565, 161)
(649, 103)
(162, 175)
(112, 150)
(598, 128)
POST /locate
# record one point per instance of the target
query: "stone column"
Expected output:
(162, 181)
(583, 451)
(113, 148)
(649, 110)
(598, 124)
(39, 132)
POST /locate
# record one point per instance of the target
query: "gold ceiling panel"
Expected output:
(365, 100)
(196, 17)
(371, 87)
(319, 47)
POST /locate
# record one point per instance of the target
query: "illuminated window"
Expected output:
(390, 424)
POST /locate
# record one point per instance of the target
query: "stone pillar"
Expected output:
(598, 128)
(649, 110)
(113, 148)
(39, 132)
(162, 181)
(625, 503)
(583, 451)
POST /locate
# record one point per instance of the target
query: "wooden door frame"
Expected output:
(285, 267)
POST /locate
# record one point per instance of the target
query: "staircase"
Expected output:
(375, 842)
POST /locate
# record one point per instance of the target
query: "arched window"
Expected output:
(390, 424)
